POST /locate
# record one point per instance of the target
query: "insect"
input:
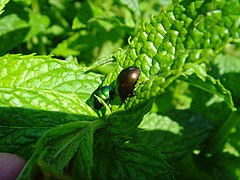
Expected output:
(126, 81)
(106, 93)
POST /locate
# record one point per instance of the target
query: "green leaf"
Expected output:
(227, 63)
(38, 93)
(180, 34)
(2, 5)
(228, 70)
(41, 99)
(132, 6)
(58, 146)
(132, 162)
(176, 135)
(14, 22)
(210, 105)
(44, 98)
(38, 23)
(43, 73)
(221, 166)
(122, 128)
(195, 75)
(232, 145)
(180, 37)
(101, 30)
(21, 127)
(20, 139)
(16, 27)
(79, 43)
(217, 140)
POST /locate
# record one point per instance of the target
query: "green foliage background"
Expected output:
(181, 123)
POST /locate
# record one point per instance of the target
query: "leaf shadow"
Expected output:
(193, 131)
(12, 39)
(20, 128)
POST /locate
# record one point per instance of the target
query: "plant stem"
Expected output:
(35, 6)
(215, 143)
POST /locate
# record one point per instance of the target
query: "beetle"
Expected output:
(106, 93)
(127, 80)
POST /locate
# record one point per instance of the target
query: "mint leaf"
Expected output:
(40, 97)
(196, 76)
(38, 23)
(132, 162)
(17, 28)
(2, 5)
(55, 149)
(217, 167)
(227, 70)
(132, 6)
(165, 48)
(99, 29)
(38, 73)
(232, 146)
(21, 127)
(122, 128)
(209, 105)
(18, 140)
(49, 100)
(38, 93)
(229, 75)
(175, 135)
(180, 34)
